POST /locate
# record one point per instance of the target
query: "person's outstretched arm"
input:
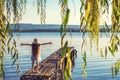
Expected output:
(46, 43)
(23, 44)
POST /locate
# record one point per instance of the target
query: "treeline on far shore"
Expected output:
(51, 28)
(55, 30)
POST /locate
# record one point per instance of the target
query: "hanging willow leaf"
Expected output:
(62, 30)
(106, 26)
(81, 23)
(105, 52)
(19, 70)
(118, 42)
(84, 73)
(66, 18)
(117, 66)
(63, 35)
(2, 69)
(41, 10)
(106, 1)
(116, 48)
(64, 49)
(13, 57)
(112, 71)
(3, 43)
(18, 67)
(14, 43)
(16, 54)
(14, 61)
(101, 52)
(65, 75)
(69, 63)
(111, 51)
(12, 49)
(1, 54)
(8, 43)
(2, 34)
(84, 58)
(82, 6)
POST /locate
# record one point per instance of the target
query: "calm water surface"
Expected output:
(97, 68)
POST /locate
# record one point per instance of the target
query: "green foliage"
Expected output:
(106, 52)
(65, 75)
(104, 4)
(14, 8)
(65, 12)
(90, 23)
(2, 39)
(113, 48)
(90, 19)
(41, 10)
(115, 15)
(64, 49)
(68, 65)
(115, 68)
(107, 28)
(64, 26)
(84, 73)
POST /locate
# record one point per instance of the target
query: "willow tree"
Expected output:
(90, 18)
(8, 9)
(115, 40)
(89, 22)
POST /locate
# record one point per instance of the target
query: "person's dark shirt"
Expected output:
(35, 48)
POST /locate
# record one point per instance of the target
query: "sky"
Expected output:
(53, 13)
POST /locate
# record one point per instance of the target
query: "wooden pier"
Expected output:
(49, 67)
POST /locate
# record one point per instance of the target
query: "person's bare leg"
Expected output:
(32, 65)
(37, 66)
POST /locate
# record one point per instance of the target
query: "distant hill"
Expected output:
(48, 28)
(41, 27)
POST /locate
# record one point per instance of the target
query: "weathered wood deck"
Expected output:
(49, 68)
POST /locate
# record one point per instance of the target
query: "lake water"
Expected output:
(97, 68)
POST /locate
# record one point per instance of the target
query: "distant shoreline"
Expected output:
(49, 28)
(55, 30)
(46, 30)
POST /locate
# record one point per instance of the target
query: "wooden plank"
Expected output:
(49, 68)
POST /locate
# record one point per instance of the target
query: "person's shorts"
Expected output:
(34, 58)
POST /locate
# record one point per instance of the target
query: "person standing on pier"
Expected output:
(35, 52)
